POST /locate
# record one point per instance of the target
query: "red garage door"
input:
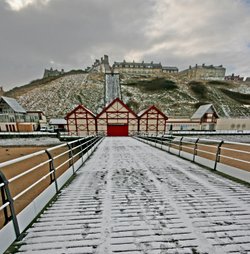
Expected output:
(117, 130)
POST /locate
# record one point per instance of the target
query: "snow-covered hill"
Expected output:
(62, 95)
(174, 95)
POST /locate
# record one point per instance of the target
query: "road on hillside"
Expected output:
(131, 198)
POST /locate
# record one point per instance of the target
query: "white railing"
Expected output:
(37, 178)
(230, 158)
(202, 132)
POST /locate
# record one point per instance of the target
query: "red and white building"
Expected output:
(152, 121)
(81, 122)
(117, 119)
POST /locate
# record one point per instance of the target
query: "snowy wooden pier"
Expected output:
(132, 198)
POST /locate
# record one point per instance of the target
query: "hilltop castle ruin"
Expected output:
(52, 73)
(205, 72)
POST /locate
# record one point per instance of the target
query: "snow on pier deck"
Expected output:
(133, 198)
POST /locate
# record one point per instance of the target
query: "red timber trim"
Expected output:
(78, 113)
(80, 106)
(156, 109)
(67, 124)
(76, 125)
(112, 103)
(146, 115)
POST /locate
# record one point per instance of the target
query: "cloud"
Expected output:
(71, 34)
(17, 5)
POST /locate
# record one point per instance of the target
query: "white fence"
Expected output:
(230, 158)
(69, 157)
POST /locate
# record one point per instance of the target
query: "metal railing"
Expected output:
(22, 180)
(231, 158)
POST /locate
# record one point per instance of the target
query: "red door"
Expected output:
(117, 130)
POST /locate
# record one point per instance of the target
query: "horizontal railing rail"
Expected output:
(32, 180)
(231, 158)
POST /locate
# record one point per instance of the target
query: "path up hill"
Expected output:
(173, 94)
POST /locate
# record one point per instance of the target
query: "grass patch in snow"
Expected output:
(240, 97)
(217, 82)
(198, 89)
(157, 84)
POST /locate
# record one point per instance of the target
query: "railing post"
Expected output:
(155, 139)
(169, 144)
(180, 146)
(11, 201)
(80, 142)
(71, 161)
(52, 169)
(217, 158)
(162, 138)
(195, 149)
(4, 200)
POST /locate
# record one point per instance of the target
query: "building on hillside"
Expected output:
(207, 116)
(14, 118)
(169, 69)
(205, 72)
(117, 119)
(101, 66)
(239, 124)
(152, 121)
(1, 91)
(234, 77)
(138, 68)
(81, 122)
(52, 73)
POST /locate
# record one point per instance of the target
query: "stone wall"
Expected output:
(205, 72)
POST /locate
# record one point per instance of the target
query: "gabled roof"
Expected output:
(57, 121)
(13, 104)
(202, 110)
(80, 106)
(112, 103)
(145, 111)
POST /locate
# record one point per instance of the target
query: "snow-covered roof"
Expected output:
(78, 107)
(120, 102)
(57, 121)
(14, 104)
(141, 113)
(202, 110)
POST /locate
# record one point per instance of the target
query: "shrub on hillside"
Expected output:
(240, 97)
(155, 84)
(198, 89)
(217, 82)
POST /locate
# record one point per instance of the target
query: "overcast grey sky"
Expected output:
(71, 34)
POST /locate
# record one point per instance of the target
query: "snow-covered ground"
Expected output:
(131, 198)
(41, 141)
